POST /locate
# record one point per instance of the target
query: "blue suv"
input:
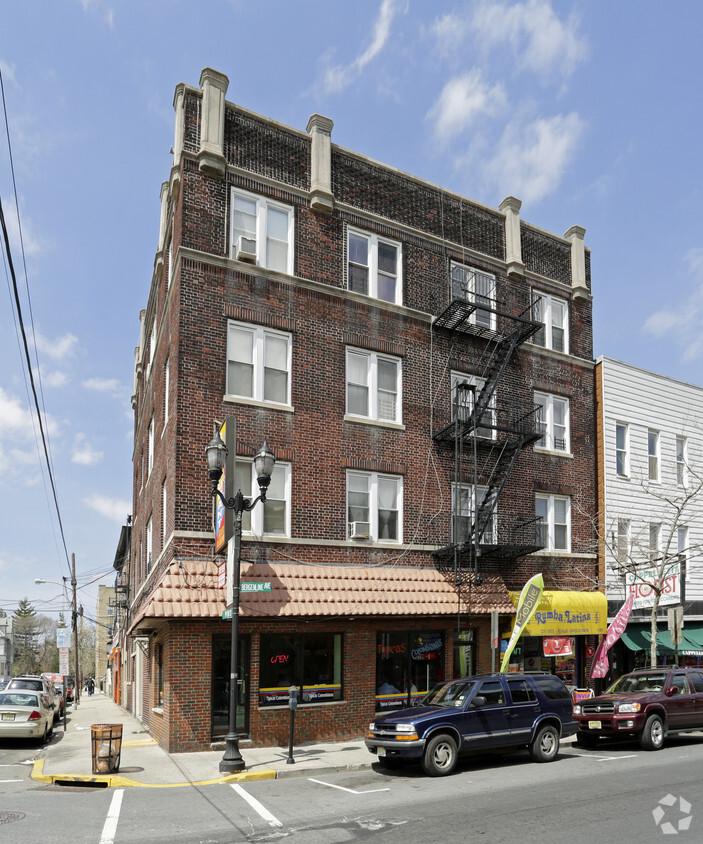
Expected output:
(476, 714)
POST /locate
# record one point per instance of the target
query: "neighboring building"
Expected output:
(650, 470)
(116, 657)
(7, 650)
(420, 364)
(104, 623)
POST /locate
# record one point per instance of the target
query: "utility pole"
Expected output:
(77, 691)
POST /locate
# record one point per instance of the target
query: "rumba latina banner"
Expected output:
(527, 606)
(617, 628)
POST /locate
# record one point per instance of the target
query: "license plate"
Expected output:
(381, 751)
(594, 725)
(8, 716)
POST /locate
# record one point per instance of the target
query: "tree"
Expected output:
(27, 632)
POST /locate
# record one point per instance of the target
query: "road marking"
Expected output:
(11, 780)
(113, 815)
(350, 790)
(254, 803)
(599, 758)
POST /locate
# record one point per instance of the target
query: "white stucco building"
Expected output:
(650, 468)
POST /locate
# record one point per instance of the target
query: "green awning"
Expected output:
(638, 638)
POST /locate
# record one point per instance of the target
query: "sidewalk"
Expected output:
(67, 757)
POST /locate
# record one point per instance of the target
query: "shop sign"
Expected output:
(557, 646)
(221, 574)
(311, 694)
(567, 614)
(642, 586)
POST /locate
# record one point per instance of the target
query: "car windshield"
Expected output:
(449, 694)
(34, 685)
(638, 683)
(18, 699)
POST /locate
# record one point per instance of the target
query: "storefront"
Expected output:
(561, 636)
(637, 640)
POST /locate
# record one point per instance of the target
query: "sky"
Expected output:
(590, 113)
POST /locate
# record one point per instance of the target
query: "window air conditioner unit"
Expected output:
(359, 530)
(245, 249)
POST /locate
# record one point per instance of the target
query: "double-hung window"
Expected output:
(681, 475)
(466, 391)
(622, 549)
(554, 527)
(469, 503)
(374, 266)
(149, 544)
(374, 506)
(655, 530)
(622, 449)
(553, 316)
(261, 231)
(150, 452)
(653, 454)
(478, 288)
(152, 348)
(373, 386)
(273, 516)
(552, 422)
(258, 363)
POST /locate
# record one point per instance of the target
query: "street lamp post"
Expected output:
(264, 461)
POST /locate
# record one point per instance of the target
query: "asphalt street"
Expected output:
(617, 793)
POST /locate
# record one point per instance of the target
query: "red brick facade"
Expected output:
(207, 288)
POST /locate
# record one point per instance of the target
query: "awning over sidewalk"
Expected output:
(188, 590)
(638, 637)
(567, 614)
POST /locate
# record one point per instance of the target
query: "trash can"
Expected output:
(106, 743)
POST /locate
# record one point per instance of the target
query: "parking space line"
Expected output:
(349, 790)
(113, 815)
(254, 803)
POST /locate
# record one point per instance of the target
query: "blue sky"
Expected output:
(589, 113)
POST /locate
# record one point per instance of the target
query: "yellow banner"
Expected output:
(567, 614)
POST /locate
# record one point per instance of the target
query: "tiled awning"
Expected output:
(188, 590)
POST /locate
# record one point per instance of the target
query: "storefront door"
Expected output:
(221, 654)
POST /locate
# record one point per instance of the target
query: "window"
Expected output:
(310, 661)
(273, 516)
(681, 475)
(163, 514)
(258, 363)
(373, 386)
(682, 541)
(262, 232)
(480, 289)
(552, 422)
(170, 264)
(555, 529)
(521, 692)
(167, 384)
(622, 449)
(408, 665)
(623, 541)
(150, 458)
(552, 313)
(463, 514)
(373, 266)
(653, 454)
(152, 348)
(492, 691)
(463, 399)
(160, 675)
(149, 545)
(374, 505)
(654, 540)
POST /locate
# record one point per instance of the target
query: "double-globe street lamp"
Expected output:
(264, 461)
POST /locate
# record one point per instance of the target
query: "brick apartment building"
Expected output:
(421, 366)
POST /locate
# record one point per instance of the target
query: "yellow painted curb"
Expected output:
(115, 781)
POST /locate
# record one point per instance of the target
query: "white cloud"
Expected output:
(463, 100)
(59, 348)
(52, 379)
(83, 453)
(541, 41)
(450, 32)
(115, 509)
(531, 159)
(14, 418)
(337, 78)
(103, 385)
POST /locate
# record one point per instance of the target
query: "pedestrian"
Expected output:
(91, 685)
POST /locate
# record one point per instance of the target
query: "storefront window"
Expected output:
(311, 661)
(408, 665)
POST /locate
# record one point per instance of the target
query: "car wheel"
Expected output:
(586, 740)
(545, 745)
(45, 737)
(440, 756)
(652, 737)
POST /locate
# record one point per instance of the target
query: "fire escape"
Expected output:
(486, 436)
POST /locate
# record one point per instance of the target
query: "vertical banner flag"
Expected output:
(527, 606)
(617, 628)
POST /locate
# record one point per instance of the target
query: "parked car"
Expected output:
(70, 689)
(647, 705)
(41, 685)
(476, 714)
(58, 682)
(25, 714)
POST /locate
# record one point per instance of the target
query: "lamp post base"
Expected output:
(232, 762)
